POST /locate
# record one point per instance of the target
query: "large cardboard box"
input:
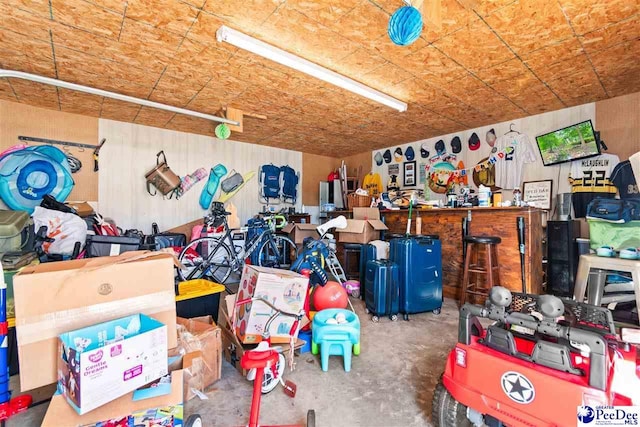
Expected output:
(233, 349)
(299, 232)
(363, 228)
(284, 289)
(129, 409)
(201, 337)
(102, 362)
(58, 297)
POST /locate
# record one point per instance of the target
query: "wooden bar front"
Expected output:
(501, 222)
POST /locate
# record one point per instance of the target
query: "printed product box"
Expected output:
(138, 408)
(282, 288)
(102, 362)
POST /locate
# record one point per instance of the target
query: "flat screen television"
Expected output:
(567, 144)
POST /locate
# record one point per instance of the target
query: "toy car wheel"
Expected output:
(355, 293)
(366, 310)
(194, 420)
(393, 317)
(446, 411)
(437, 311)
(311, 418)
(375, 319)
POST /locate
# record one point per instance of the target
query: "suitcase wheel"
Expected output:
(375, 319)
(393, 317)
(405, 317)
(436, 311)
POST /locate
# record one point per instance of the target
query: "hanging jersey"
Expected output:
(590, 178)
(509, 168)
(592, 175)
(625, 181)
(372, 183)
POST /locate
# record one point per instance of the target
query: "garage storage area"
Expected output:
(384, 213)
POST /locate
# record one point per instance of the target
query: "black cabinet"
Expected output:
(562, 256)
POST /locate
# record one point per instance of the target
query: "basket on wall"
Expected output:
(357, 201)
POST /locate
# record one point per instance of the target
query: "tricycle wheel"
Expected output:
(446, 411)
(355, 293)
(194, 420)
(311, 418)
(314, 348)
(374, 319)
(437, 311)
(272, 375)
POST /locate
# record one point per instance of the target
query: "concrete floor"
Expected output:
(390, 384)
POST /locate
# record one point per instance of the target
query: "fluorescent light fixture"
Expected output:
(99, 92)
(243, 41)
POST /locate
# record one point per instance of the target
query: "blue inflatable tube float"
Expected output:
(27, 175)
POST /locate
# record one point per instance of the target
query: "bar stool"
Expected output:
(490, 268)
(351, 269)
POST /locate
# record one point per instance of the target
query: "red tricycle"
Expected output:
(266, 365)
(545, 361)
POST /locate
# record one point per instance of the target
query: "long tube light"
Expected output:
(243, 41)
(112, 95)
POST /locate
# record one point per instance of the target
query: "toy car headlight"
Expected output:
(461, 357)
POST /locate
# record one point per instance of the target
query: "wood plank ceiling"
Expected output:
(502, 60)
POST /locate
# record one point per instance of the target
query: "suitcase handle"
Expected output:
(154, 228)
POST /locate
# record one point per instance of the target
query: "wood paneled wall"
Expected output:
(24, 120)
(131, 152)
(619, 121)
(316, 168)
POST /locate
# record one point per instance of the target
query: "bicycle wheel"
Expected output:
(279, 253)
(206, 258)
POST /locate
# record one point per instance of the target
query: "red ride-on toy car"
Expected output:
(540, 360)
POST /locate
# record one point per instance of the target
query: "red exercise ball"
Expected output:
(331, 295)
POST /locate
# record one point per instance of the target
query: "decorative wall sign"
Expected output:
(409, 176)
(394, 169)
(538, 193)
(423, 173)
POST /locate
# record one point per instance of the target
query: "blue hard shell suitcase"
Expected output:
(420, 274)
(382, 294)
(367, 253)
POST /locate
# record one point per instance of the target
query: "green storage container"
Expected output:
(619, 236)
(14, 227)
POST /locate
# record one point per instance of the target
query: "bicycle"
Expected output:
(216, 257)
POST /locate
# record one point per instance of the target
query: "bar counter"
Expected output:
(501, 222)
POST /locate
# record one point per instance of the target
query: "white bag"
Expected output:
(65, 228)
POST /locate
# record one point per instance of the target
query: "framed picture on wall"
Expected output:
(538, 193)
(409, 176)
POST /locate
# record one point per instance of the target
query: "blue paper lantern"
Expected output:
(405, 26)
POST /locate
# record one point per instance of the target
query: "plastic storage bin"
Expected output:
(197, 298)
